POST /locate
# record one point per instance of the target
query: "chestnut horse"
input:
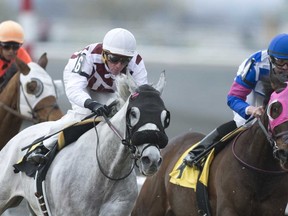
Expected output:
(29, 95)
(248, 177)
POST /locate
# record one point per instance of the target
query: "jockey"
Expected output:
(11, 40)
(246, 94)
(92, 71)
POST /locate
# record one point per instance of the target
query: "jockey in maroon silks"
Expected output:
(89, 78)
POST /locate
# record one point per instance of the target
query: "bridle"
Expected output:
(35, 115)
(135, 154)
(134, 137)
(273, 144)
(33, 111)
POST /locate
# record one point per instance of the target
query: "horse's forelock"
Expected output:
(123, 90)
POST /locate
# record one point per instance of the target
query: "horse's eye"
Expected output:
(134, 116)
(31, 87)
(275, 110)
(165, 118)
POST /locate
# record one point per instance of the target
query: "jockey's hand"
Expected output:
(255, 111)
(96, 107)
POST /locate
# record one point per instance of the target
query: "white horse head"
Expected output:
(95, 175)
(35, 85)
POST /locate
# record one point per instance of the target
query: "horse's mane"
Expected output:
(122, 88)
(270, 84)
(125, 86)
(268, 89)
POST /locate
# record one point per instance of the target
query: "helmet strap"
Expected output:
(104, 59)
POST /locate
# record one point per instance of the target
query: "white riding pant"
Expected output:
(71, 117)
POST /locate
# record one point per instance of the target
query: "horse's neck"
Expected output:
(9, 97)
(111, 149)
(256, 149)
(11, 90)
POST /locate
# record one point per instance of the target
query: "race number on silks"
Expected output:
(79, 63)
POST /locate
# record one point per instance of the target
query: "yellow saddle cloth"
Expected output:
(186, 176)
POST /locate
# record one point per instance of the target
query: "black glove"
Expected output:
(96, 107)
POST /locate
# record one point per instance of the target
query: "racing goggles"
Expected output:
(116, 58)
(279, 62)
(10, 45)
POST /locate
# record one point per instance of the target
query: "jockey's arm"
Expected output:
(76, 83)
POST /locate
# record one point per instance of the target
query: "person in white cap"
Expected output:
(89, 77)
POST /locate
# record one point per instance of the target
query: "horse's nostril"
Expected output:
(159, 162)
(282, 154)
(145, 160)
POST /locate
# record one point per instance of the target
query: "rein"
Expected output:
(34, 112)
(135, 155)
(12, 111)
(271, 141)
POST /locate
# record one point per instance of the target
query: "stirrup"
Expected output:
(190, 158)
(36, 157)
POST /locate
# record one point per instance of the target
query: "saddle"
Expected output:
(38, 171)
(65, 137)
(196, 177)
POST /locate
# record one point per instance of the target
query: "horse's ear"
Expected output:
(43, 60)
(22, 66)
(161, 83)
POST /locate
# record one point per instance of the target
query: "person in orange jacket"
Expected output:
(11, 40)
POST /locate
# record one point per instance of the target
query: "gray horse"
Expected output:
(95, 175)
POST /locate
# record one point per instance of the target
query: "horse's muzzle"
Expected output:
(282, 156)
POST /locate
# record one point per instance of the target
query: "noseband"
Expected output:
(134, 151)
(148, 100)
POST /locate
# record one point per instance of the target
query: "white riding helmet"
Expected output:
(120, 41)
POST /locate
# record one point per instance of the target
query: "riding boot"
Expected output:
(38, 155)
(203, 144)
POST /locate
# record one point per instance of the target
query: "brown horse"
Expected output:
(248, 177)
(29, 95)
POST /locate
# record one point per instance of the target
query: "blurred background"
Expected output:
(199, 43)
(188, 24)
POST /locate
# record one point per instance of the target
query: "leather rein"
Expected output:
(272, 143)
(136, 155)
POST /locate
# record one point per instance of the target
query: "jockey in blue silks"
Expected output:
(246, 94)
